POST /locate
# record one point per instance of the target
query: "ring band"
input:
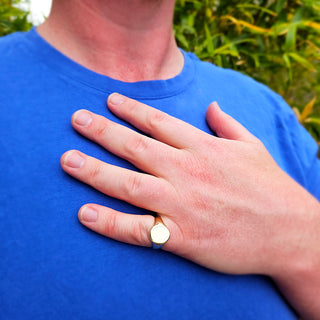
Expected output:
(159, 233)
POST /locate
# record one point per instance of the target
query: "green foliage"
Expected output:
(12, 18)
(277, 42)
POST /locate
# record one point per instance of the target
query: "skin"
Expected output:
(199, 192)
(106, 37)
(199, 195)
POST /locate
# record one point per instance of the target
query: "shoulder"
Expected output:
(19, 57)
(13, 52)
(232, 81)
(10, 38)
(238, 92)
(11, 43)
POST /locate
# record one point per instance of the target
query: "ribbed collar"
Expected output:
(154, 89)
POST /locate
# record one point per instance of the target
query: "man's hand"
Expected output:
(227, 204)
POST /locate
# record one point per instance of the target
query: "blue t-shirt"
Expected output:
(51, 267)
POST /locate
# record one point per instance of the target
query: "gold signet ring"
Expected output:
(159, 233)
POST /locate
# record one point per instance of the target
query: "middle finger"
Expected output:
(140, 189)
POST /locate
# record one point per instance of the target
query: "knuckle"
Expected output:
(136, 144)
(101, 131)
(132, 186)
(139, 234)
(94, 174)
(156, 118)
(110, 227)
(210, 147)
(210, 144)
(131, 108)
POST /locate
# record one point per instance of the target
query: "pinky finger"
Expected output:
(129, 228)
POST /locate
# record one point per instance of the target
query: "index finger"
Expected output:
(154, 122)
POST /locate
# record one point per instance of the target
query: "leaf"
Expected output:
(313, 120)
(210, 47)
(280, 5)
(297, 113)
(287, 61)
(312, 24)
(253, 27)
(234, 20)
(246, 24)
(280, 29)
(298, 16)
(182, 39)
(307, 110)
(291, 37)
(253, 6)
(226, 48)
(293, 26)
(302, 61)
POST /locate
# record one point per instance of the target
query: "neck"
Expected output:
(128, 40)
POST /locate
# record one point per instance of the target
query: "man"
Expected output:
(226, 203)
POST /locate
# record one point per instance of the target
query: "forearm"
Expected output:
(299, 277)
(302, 292)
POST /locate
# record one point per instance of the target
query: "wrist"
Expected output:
(295, 243)
(296, 265)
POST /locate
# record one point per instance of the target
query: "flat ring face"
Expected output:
(159, 234)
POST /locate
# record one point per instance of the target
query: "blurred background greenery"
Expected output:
(277, 42)
(12, 17)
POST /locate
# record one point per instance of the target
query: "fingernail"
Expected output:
(74, 160)
(115, 99)
(215, 104)
(82, 118)
(88, 215)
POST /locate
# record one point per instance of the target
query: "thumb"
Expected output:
(225, 126)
